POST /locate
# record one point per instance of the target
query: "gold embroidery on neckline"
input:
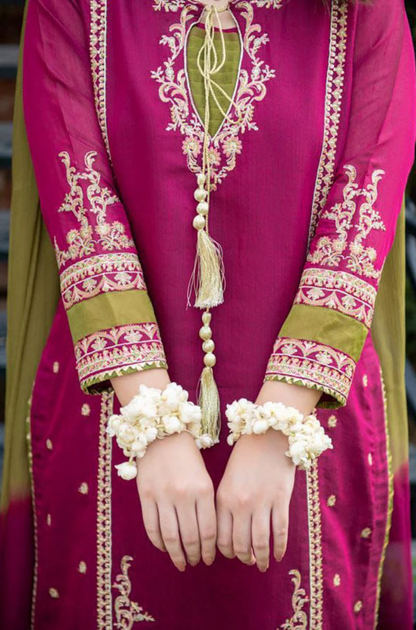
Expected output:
(127, 612)
(251, 87)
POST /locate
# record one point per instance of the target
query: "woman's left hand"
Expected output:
(253, 499)
(254, 494)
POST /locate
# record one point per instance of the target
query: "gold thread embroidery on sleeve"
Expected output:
(299, 620)
(359, 259)
(127, 612)
(83, 241)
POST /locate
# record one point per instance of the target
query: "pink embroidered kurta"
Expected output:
(309, 170)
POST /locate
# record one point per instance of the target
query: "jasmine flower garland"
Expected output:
(307, 438)
(154, 414)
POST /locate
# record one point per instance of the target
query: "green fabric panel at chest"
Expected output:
(226, 77)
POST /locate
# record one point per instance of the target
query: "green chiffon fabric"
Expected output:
(33, 284)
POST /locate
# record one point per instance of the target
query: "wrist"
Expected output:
(302, 398)
(127, 386)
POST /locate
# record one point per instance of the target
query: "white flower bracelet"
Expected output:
(307, 439)
(154, 413)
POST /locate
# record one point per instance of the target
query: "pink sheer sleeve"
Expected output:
(111, 318)
(323, 336)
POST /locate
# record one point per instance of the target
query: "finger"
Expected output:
(207, 524)
(188, 527)
(170, 533)
(280, 524)
(242, 538)
(151, 523)
(261, 538)
(225, 532)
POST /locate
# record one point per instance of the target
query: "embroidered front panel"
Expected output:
(175, 5)
(98, 60)
(104, 599)
(315, 549)
(337, 290)
(113, 352)
(313, 365)
(353, 225)
(127, 612)
(226, 144)
(333, 103)
(100, 274)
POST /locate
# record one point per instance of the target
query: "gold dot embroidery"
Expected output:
(365, 380)
(332, 422)
(83, 489)
(82, 567)
(331, 500)
(55, 367)
(337, 579)
(49, 444)
(85, 410)
(53, 593)
(366, 533)
(370, 459)
(358, 606)
(49, 520)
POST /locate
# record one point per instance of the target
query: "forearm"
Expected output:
(127, 386)
(302, 398)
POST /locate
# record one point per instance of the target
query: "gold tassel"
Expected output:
(209, 401)
(207, 280)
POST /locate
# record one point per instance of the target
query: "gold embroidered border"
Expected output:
(110, 353)
(315, 549)
(104, 598)
(390, 506)
(312, 365)
(98, 59)
(338, 290)
(100, 274)
(35, 520)
(333, 103)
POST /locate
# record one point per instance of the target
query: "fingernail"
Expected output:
(209, 561)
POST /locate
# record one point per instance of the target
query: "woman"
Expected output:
(296, 125)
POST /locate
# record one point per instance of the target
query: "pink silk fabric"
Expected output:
(94, 565)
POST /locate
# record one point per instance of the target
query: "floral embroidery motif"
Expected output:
(338, 290)
(315, 548)
(100, 274)
(83, 241)
(127, 612)
(299, 620)
(331, 252)
(226, 144)
(98, 54)
(333, 103)
(313, 364)
(104, 599)
(111, 352)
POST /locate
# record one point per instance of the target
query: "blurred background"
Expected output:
(11, 13)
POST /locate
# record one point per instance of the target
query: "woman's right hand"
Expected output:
(177, 499)
(175, 490)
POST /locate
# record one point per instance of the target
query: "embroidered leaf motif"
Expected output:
(127, 612)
